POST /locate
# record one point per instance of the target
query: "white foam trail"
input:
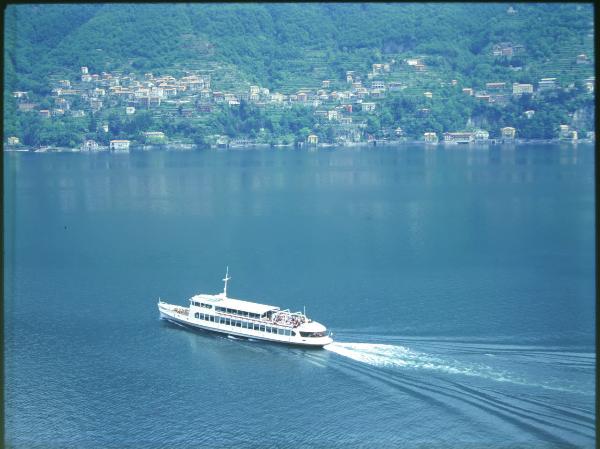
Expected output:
(391, 355)
(383, 355)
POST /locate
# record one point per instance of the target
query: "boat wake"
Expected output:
(502, 389)
(396, 356)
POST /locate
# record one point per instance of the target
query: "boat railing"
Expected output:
(182, 310)
(263, 320)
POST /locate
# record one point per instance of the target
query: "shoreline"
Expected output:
(192, 147)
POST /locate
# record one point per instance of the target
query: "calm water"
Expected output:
(459, 284)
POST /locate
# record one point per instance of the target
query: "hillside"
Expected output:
(286, 47)
(267, 42)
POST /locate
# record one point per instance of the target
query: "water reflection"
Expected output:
(190, 182)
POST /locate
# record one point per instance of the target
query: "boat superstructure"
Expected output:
(235, 317)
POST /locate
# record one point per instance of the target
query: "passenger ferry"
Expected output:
(246, 319)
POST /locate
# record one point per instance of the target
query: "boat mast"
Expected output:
(225, 280)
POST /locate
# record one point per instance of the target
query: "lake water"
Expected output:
(459, 284)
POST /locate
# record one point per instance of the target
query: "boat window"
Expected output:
(201, 316)
(206, 317)
(238, 323)
(245, 325)
(212, 318)
(227, 321)
(312, 334)
(256, 326)
(287, 332)
(228, 310)
(262, 328)
(293, 334)
(196, 315)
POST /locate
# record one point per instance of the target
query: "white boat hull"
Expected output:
(172, 313)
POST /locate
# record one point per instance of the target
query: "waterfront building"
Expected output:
(481, 134)
(84, 70)
(508, 132)
(122, 145)
(312, 139)
(563, 131)
(13, 140)
(428, 94)
(468, 91)
(90, 145)
(129, 110)
(458, 137)
(430, 137)
(529, 113)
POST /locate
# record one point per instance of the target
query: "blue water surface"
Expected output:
(458, 282)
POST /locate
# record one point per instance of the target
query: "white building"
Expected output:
(119, 145)
(519, 89)
(508, 132)
(368, 107)
(430, 137)
(547, 83)
(129, 110)
(90, 145)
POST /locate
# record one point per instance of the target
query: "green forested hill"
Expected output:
(269, 43)
(286, 47)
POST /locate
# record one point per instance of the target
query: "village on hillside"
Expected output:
(343, 104)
